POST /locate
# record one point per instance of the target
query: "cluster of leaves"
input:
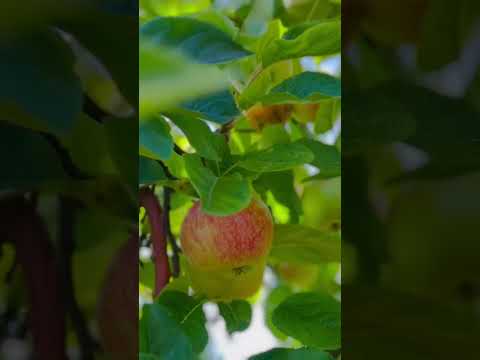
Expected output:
(67, 131)
(202, 67)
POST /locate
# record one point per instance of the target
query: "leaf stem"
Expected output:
(230, 169)
(312, 11)
(258, 70)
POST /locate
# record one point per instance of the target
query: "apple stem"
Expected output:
(159, 238)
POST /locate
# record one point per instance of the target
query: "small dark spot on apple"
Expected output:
(241, 270)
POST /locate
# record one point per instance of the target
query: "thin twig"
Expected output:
(226, 128)
(167, 194)
(65, 158)
(258, 70)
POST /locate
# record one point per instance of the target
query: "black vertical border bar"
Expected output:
(410, 179)
(69, 179)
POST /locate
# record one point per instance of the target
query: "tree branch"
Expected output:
(27, 231)
(154, 212)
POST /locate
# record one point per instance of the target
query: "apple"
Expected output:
(259, 115)
(302, 276)
(321, 201)
(432, 232)
(226, 255)
(118, 303)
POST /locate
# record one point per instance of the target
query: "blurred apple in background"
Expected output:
(322, 204)
(259, 115)
(434, 243)
(302, 276)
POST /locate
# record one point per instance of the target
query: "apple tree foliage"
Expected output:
(68, 185)
(203, 65)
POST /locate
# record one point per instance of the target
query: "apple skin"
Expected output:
(302, 276)
(226, 255)
(321, 202)
(433, 237)
(259, 115)
(117, 312)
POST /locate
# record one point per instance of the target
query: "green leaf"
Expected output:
(292, 354)
(220, 196)
(95, 27)
(279, 157)
(174, 7)
(327, 114)
(188, 313)
(322, 38)
(144, 356)
(281, 185)
(155, 140)
(275, 298)
(150, 171)
(176, 166)
(304, 88)
(297, 243)
(216, 18)
(202, 42)
(237, 315)
(266, 80)
(312, 318)
(167, 79)
(162, 336)
(375, 119)
(123, 148)
(39, 87)
(207, 144)
(440, 41)
(94, 159)
(273, 32)
(27, 159)
(273, 134)
(219, 107)
(327, 158)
